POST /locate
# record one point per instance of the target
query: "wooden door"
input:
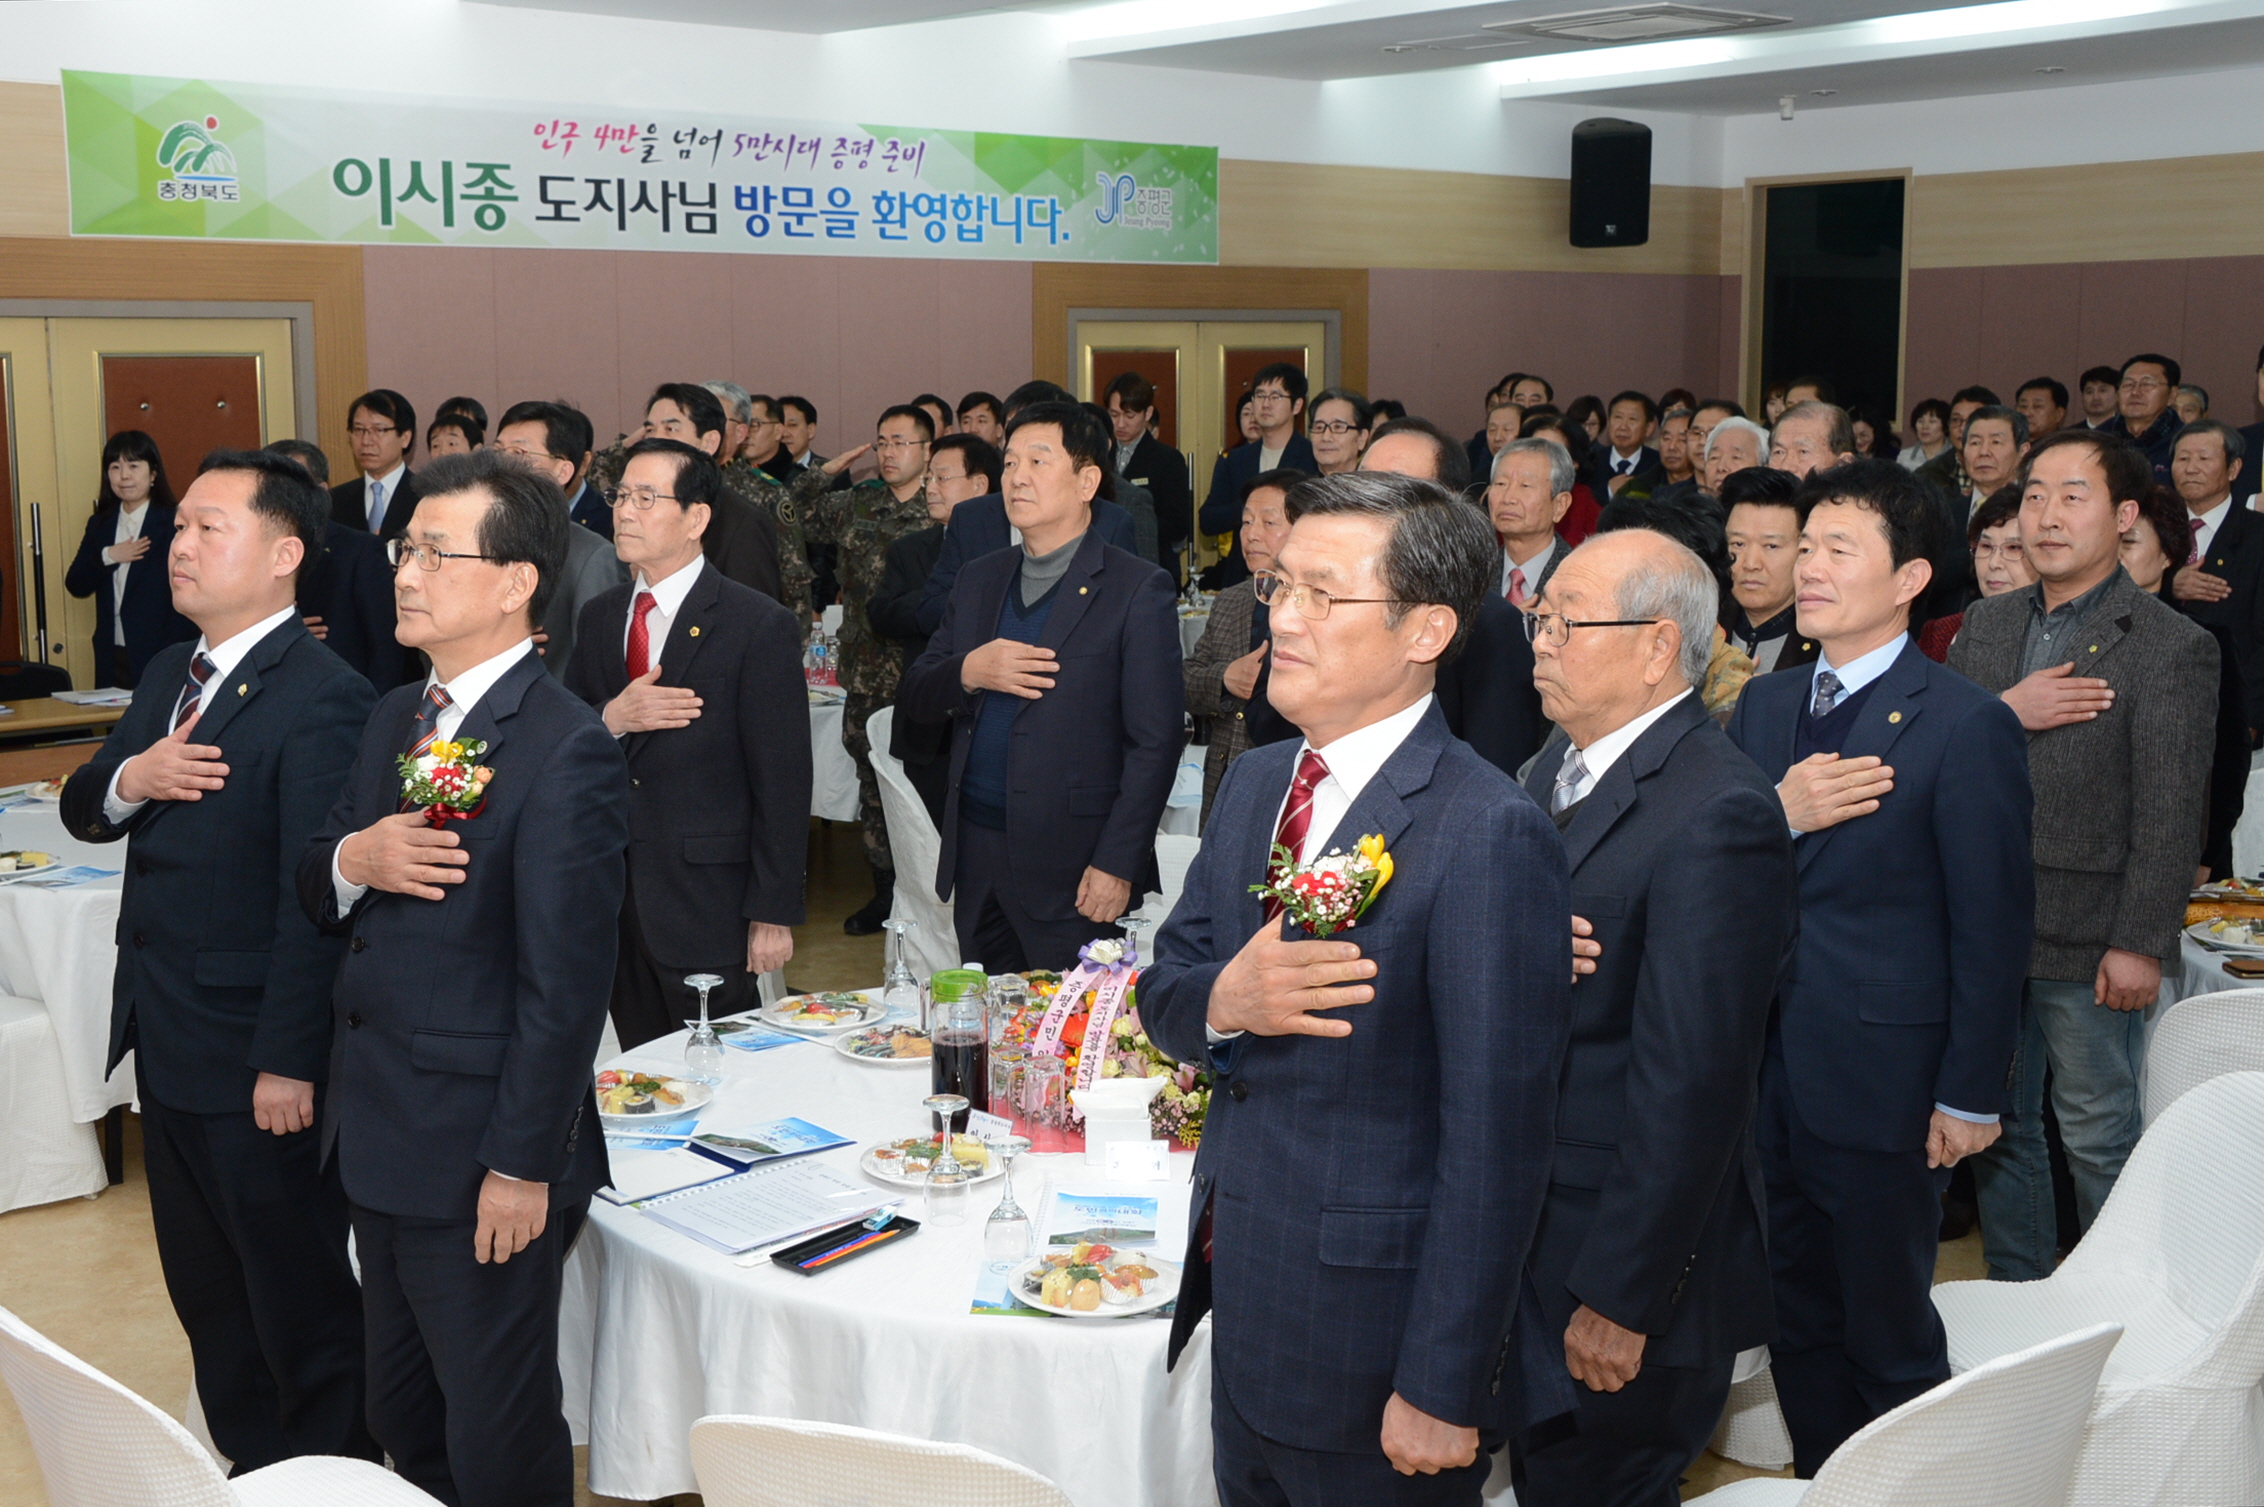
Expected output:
(190, 405)
(11, 578)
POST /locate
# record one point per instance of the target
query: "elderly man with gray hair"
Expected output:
(1732, 445)
(1527, 496)
(1650, 1260)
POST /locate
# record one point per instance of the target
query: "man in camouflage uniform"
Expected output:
(785, 504)
(861, 523)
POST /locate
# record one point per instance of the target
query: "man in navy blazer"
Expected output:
(346, 587)
(1058, 665)
(216, 776)
(979, 527)
(1888, 1052)
(383, 428)
(1277, 397)
(468, 1008)
(1651, 1260)
(1379, 1139)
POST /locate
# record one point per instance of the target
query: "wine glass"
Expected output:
(901, 991)
(1006, 1234)
(703, 1051)
(948, 1176)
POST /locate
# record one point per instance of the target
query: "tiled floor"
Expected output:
(85, 1274)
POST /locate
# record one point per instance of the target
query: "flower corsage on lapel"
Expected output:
(1332, 892)
(447, 781)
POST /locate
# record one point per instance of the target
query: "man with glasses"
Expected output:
(1906, 789)
(1341, 419)
(474, 987)
(383, 428)
(719, 778)
(2144, 412)
(859, 525)
(1058, 664)
(1277, 398)
(543, 437)
(1362, 1304)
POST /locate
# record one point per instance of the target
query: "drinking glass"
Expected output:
(1005, 1062)
(948, 1176)
(1006, 1234)
(900, 988)
(703, 1052)
(1045, 1101)
(1009, 997)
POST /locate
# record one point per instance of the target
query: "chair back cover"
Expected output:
(2196, 1039)
(783, 1462)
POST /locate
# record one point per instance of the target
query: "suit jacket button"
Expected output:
(360, 943)
(1239, 1091)
(140, 940)
(354, 1020)
(634, 784)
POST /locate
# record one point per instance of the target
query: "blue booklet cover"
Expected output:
(771, 1141)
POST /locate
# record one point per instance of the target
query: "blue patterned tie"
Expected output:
(1828, 692)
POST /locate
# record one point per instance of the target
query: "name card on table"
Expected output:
(988, 1128)
(1138, 1161)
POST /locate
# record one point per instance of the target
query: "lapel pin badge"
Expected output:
(1083, 589)
(241, 688)
(1894, 716)
(695, 630)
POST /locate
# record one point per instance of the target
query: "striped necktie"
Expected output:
(201, 669)
(425, 731)
(1297, 818)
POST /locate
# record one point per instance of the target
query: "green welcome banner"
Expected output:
(188, 158)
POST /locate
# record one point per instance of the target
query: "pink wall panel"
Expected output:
(603, 328)
(2000, 326)
(1438, 340)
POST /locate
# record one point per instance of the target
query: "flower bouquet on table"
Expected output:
(447, 781)
(1331, 893)
(1090, 1020)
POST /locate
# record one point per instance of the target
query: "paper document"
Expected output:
(768, 1206)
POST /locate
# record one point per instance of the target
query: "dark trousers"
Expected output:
(1631, 1446)
(251, 1233)
(650, 997)
(120, 673)
(1002, 935)
(932, 779)
(463, 1359)
(1852, 1241)
(1254, 1471)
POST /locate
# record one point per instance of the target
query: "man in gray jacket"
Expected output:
(551, 438)
(2118, 692)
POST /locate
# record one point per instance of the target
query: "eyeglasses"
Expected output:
(1555, 629)
(1264, 396)
(640, 498)
(427, 558)
(891, 447)
(2142, 384)
(1310, 601)
(1335, 427)
(2011, 549)
(372, 431)
(522, 452)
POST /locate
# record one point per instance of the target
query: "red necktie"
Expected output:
(2194, 558)
(1297, 816)
(640, 638)
(1516, 587)
(192, 694)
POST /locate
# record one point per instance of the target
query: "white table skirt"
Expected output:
(60, 948)
(833, 774)
(657, 1330)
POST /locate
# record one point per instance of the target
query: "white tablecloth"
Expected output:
(60, 948)
(658, 1330)
(833, 774)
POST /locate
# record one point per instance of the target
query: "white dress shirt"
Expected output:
(130, 521)
(225, 656)
(464, 693)
(668, 595)
(377, 495)
(1599, 756)
(1532, 567)
(2211, 519)
(1624, 465)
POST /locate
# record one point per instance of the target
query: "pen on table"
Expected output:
(869, 1238)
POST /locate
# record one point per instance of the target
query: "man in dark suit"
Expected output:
(981, 526)
(1059, 666)
(548, 437)
(1651, 1259)
(470, 1002)
(961, 468)
(701, 679)
(1626, 456)
(346, 588)
(1277, 397)
(741, 539)
(1372, 1332)
(1888, 1050)
(2119, 696)
(1147, 462)
(216, 776)
(383, 428)
(1764, 546)
(2223, 587)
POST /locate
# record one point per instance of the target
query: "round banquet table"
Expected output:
(833, 774)
(60, 947)
(657, 1330)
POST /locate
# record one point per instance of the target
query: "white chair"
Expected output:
(783, 1462)
(2198, 1039)
(44, 1155)
(2002, 1435)
(99, 1445)
(2177, 1258)
(915, 848)
(1752, 1431)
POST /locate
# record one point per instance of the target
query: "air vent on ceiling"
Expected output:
(1470, 42)
(1638, 23)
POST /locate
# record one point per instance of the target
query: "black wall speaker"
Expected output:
(1611, 183)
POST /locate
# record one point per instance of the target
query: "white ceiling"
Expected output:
(1854, 51)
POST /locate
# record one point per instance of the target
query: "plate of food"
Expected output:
(905, 1163)
(19, 861)
(886, 1046)
(2242, 935)
(1095, 1282)
(629, 1099)
(824, 1013)
(45, 790)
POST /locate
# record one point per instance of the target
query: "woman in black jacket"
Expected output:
(121, 562)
